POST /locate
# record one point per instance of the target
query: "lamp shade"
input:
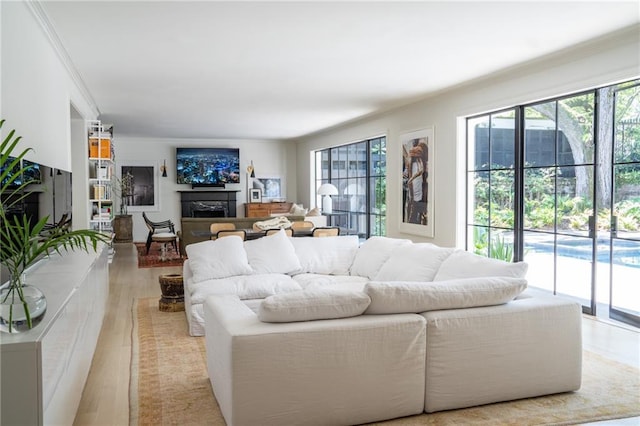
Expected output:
(327, 189)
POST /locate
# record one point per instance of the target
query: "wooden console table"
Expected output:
(265, 209)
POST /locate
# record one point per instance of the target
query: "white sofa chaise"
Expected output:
(336, 333)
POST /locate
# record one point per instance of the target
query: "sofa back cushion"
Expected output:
(221, 258)
(464, 264)
(416, 297)
(272, 254)
(329, 255)
(372, 254)
(413, 262)
(312, 305)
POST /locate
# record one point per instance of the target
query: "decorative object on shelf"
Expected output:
(417, 182)
(124, 187)
(24, 243)
(255, 195)
(163, 168)
(326, 190)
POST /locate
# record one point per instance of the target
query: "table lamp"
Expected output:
(327, 190)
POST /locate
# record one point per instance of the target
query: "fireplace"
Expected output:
(208, 203)
(209, 209)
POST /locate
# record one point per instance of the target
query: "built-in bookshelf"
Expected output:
(101, 176)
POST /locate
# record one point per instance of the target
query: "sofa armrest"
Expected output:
(528, 347)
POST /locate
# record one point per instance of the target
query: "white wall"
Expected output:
(37, 90)
(608, 60)
(270, 158)
(37, 87)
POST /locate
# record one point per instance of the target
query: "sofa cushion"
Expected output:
(272, 254)
(372, 254)
(329, 255)
(311, 305)
(406, 297)
(413, 262)
(297, 210)
(257, 286)
(464, 264)
(224, 257)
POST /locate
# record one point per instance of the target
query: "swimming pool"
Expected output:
(625, 253)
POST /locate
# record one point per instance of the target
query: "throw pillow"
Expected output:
(298, 210)
(312, 305)
(372, 254)
(413, 262)
(464, 264)
(328, 255)
(221, 258)
(416, 297)
(272, 254)
(314, 212)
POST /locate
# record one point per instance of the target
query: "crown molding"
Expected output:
(42, 18)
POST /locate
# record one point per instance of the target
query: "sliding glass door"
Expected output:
(624, 304)
(558, 196)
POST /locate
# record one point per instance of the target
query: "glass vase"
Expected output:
(14, 318)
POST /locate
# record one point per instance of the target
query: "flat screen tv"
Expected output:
(208, 166)
(31, 174)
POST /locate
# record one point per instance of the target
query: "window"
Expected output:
(358, 170)
(557, 184)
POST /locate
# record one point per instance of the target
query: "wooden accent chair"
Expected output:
(154, 227)
(222, 226)
(229, 232)
(302, 226)
(326, 232)
(287, 231)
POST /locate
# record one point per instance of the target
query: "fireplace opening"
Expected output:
(209, 209)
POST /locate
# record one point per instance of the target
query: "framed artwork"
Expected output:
(417, 182)
(255, 195)
(272, 187)
(143, 195)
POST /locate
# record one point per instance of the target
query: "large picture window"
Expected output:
(358, 170)
(556, 184)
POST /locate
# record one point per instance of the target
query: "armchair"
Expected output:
(155, 226)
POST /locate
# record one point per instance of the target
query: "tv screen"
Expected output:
(31, 174)
(208, 166)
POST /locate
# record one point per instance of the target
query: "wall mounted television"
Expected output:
(208, 166)
(31, 174)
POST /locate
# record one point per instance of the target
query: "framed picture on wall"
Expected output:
(417, 182)
(255, 195)
(144, 183)
(272, 187)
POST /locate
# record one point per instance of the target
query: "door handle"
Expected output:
(614, 226)
(592, 226)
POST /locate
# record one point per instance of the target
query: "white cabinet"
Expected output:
(44, 369)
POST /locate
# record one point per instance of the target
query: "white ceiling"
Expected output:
(279, 70)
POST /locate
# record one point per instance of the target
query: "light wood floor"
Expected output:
(105, 400)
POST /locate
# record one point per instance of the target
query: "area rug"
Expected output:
(154, 258)
(169, 385)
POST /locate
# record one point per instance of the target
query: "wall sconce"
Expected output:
(251, 171)
(163, 168)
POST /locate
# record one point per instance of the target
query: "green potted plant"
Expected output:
(23, 243)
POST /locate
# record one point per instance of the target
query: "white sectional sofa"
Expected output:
(327, 331)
